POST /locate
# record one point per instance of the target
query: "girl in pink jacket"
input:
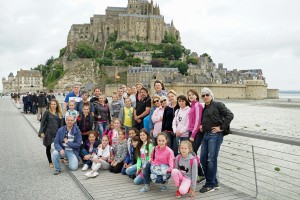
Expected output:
(161, 164)
(195, 117)
(181, 121)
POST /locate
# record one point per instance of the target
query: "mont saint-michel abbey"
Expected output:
(139, 21)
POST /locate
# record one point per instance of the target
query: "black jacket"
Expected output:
(42, 101)
(220, 114)
(168, 117)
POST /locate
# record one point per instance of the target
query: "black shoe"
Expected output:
(217, 186)
(206, 189)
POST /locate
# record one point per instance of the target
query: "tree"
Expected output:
(206, 55)
(156, 63)
(191, 60)
(121, 54)
(168, 38)
(62, 52)
(50, 61)
(104, 61)
(85, 50)
(168, 51)
(181, 66)
(177, 51)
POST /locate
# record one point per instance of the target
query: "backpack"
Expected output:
(191, 160)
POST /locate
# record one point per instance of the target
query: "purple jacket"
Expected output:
(195, 117)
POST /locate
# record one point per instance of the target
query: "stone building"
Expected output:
(146, 73)
(24, 81)
(139, 21)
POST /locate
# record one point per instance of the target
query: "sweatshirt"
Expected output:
(188, 171)
(163, 156)
(157, 120)
(181, 121)
(195, 117)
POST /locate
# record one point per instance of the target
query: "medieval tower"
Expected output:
(139, 21)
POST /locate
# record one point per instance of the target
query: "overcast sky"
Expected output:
(241, 34)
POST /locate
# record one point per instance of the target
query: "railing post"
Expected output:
(253, 158)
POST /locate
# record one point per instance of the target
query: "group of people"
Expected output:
(150, 139)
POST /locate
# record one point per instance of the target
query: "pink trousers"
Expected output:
(180, 181)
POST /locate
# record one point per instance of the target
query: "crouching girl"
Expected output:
(161, 164)
(185, 172)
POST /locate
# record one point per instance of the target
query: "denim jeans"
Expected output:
(102, 127)
(83, 153)
(131, 170)
(210, 148)
(138, 180)
(69, 154)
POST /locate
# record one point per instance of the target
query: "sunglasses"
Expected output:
(203, 95)
(156, 101)
(163, 100)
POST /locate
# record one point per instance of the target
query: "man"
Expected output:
(74, 95)
(25, 100)
(120, 95)
(67, 145)
(142, 109)
(97, 93)
(215, 123)
(42, 104)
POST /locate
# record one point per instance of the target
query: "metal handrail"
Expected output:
(243, 162)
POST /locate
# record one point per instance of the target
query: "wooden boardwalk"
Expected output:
(112, 186)
(117, 186)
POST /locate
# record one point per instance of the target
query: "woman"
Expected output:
(132, 96)
(51, 122)
(157, 116)
(159, 88)
(138, 86)
(155, 104)
(168, 117)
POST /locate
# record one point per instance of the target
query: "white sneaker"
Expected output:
(95, 174)
(85, 167)
(88, 174)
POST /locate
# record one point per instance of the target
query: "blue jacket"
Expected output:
(75, 145)
(130, 157)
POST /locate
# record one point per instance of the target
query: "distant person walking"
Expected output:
(51, 122)
(42, 104)
(216, 118)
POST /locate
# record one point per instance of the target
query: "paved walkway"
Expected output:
(116, 186)
(24, 171)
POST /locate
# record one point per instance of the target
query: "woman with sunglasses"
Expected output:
(155, 102)
(157, 116)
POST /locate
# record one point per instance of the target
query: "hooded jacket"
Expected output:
(195, 117)
(181, 121)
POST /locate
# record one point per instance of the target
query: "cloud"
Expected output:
(240, 34)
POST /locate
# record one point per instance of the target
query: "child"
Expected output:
(126, 115)
(185, 172)
(102, 113)
(88, 149)
(115, 106)
(161, 164)
(132, 133)
(85, 121)
(113, 134)
(100, 160)
(144, 150)
(110, 127)
(129, 167)
(72, 110)
(120, 152)
(180, 123)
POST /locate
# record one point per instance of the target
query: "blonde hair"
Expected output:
(188, 143)
(173, 92)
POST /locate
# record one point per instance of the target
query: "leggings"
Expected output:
(48, 153)
(181, 181)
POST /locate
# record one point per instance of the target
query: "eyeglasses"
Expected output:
(156, 101)
(203, 95)
(163, 100)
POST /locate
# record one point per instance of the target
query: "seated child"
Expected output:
(120, 152)
(129, 167)
(101, 158)
(88, 149)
